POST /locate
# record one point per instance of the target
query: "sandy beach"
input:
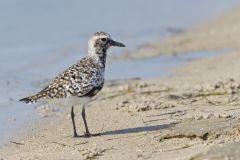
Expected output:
(191, 115)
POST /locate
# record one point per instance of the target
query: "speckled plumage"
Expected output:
(85, 78)
(79, 80)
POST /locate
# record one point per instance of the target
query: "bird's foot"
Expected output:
(88, 135)
(75, 135)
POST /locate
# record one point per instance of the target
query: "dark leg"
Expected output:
(87, 133)
(73, 122)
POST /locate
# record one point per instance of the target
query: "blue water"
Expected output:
(30, 26)
(154, 67)
(39, 39)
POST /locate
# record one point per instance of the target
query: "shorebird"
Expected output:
(81, 81)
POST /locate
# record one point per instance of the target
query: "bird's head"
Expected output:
(100, 42)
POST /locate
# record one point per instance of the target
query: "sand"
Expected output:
(193, 114)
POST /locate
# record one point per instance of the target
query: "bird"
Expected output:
(81, 81)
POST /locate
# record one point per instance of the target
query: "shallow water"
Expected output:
(41, 38)
(153, 67)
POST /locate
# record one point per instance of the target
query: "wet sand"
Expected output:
(193, 114)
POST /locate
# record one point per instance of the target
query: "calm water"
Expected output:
(41, 38)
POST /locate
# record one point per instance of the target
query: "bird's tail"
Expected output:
(27, 100)
(32, 99)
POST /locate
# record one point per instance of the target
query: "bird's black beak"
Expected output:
(115, 43)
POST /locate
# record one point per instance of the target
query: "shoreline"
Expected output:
(192, 114)
(208, 36)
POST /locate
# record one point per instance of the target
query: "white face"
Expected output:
(98, 40)
(101, 41)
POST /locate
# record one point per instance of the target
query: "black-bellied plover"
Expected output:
(82, 80)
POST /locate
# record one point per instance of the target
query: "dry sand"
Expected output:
(194, 114)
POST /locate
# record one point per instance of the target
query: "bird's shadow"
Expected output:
(139, 129)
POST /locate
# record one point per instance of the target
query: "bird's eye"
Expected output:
(103, 39)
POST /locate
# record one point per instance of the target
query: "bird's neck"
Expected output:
(99, 55)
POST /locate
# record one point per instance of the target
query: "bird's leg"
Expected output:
(87, 133)
(73, 122)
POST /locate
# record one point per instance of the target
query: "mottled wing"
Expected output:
(78, 80)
